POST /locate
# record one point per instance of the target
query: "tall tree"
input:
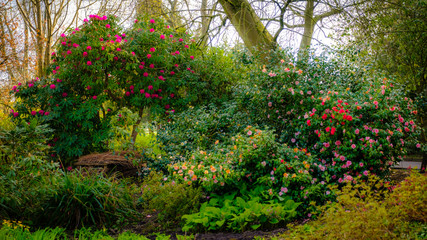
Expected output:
(46, 19)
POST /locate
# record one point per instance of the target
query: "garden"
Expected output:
(224, 144)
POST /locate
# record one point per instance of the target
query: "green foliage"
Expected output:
(91, 200)
(169, 199)
(27, 178)
(392, 37)
(15, 230)
(215, 74)
(24, 140)
(231, 212)
(198, 128)
(363, 212)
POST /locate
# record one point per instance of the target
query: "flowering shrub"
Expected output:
(254, 158)
(352, 130)
(98, 63)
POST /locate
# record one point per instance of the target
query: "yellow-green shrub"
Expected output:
(367, 211)
(409, 199)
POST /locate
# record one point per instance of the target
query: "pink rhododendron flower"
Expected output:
(180, 40)
(84, 54)
(46, 113)
(107, 26)
(150, 87)
(152, 21)
(15, 114)
(33, 113)
(192, 57)
(94, 97)
(148, 56)
(152, 49)
(89, 63)
(52, 86)
(89, 48)
(147, 95)
(162, 36)
(152, 30)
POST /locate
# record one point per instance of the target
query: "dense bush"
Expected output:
(27, 177)
(169, 200)
(198, 128)
(254, 158)
(362, 212)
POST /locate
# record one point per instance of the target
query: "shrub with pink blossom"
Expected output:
(352, 122)
(98, 64)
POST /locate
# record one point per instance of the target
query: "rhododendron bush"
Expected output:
(99, 68)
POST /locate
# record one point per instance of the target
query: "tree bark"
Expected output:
(308, 25)
(250, 28)
(135, 126)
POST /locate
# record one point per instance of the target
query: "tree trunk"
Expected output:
(205, 24)
(309, 24)
(26, 50)
(250, 28)
(135, 126)
(39, 39)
